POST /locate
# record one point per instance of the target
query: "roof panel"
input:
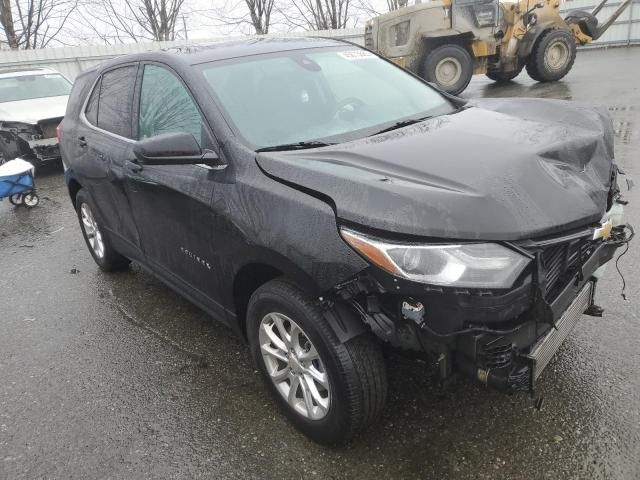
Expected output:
(254, 46)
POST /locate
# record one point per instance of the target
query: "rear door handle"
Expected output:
(82, 141)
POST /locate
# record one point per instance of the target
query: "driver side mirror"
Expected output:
(175, 149)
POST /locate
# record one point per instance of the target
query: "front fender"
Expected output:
(287, 229)
(531, 37)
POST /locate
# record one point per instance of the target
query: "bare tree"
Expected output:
(119, 21)
(328, 14)
(244, 16)
(158, 17)
(29, 24)
(321, 14)
(396, 4)
(260, 11)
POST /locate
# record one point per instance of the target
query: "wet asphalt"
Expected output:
(115, 376)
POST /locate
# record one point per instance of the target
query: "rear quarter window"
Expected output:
(78, 93)
(91, 112)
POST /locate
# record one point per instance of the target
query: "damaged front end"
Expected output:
(503, 337)
(484, 230)
(36, 143)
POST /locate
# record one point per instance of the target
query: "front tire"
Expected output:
(107, 258)
(450, 67)
(329, 390)
(552, 56)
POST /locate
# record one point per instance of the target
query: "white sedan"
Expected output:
(32, 104)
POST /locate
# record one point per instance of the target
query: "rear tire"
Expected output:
(450, 67)
(354, 372)
(552, 56)
(107, 258)
(16, 199)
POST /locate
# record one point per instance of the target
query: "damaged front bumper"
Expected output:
(514, 360)
(36, 143)
(504, 339)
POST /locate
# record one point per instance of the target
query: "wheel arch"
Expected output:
(464, 40)
(344, 321)
(528, 42)
(73, 186)
(257, 271)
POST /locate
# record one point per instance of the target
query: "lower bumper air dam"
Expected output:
(526, 368)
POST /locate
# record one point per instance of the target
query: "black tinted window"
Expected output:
(91, 111)
(166, 106)
(116, 99)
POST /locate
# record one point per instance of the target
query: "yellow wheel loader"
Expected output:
(447, 41)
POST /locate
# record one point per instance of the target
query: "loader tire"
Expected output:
(450, 67)
(552, 56)
(503, 77)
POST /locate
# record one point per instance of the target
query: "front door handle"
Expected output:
(133, 166)
(82, 141)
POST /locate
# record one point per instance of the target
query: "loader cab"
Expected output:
(477, 16)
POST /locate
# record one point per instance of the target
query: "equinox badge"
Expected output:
(196, 258)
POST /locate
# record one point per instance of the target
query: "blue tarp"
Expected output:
(12, 184)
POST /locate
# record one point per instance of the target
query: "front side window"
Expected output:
(166, 106)
(335, 93)
(116, 98)
(27, 87)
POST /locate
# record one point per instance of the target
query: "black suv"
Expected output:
(322, 201)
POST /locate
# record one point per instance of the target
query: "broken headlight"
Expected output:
(466, 265)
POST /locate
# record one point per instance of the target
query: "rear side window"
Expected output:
(116, 99)
(166, 106)
(91, 112)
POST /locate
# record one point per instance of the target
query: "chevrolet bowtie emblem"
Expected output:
(603, 231)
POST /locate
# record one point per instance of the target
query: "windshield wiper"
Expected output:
(295, 146)
(400, 124)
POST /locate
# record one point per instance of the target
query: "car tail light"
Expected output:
(59, 133)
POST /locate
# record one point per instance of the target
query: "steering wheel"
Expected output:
(347, 106)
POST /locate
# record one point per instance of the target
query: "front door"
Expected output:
(172, 203)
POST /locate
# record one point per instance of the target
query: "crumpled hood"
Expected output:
(502, 169)
(33, 110)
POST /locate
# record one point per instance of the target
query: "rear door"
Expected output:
(105, 138)
(172, 203)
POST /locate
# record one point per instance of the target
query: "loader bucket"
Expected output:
(588, 22)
